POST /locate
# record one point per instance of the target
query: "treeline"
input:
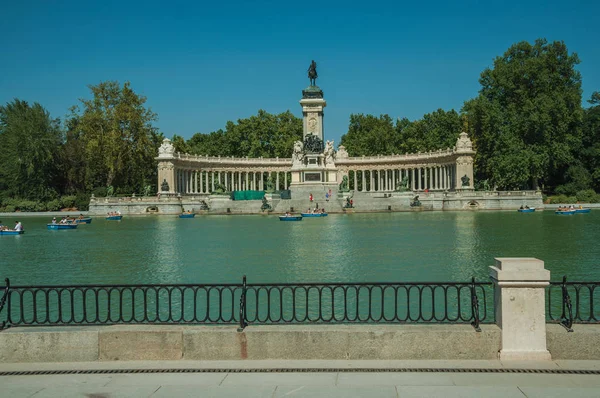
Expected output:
(106, 144)
(527, 124)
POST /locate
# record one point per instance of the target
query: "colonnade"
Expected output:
(432, 178)
(206, 181)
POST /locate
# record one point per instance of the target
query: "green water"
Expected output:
(427, 246)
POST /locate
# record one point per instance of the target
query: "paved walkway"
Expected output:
(332, 379)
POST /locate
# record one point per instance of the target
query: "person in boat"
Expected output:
(18, 226)
(80, 216)
(526, 206)
(521, 208)
(53, 220)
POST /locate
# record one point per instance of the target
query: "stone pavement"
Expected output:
(302, 379)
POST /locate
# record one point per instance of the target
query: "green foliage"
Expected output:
(369, 135)
(562, 199)
(264, 134)
(525, 123)
(82, 201)
(30, 144)
(67, 201)
(588, 196)
(53, 205)
(112, 138)
(590, 152)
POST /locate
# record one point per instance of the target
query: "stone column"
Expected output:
(277, 180)
(519, 293)
(412, 183)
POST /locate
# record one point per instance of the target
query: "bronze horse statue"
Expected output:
(312, 73)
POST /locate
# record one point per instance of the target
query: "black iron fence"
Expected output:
(573, 302)
(248, 304)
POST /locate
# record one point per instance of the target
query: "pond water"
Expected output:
(390, 247)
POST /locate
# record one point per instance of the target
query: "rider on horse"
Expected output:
(312, 73)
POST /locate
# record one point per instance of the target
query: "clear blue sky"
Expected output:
(202, 64)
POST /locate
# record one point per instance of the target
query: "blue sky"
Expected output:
(202, 64)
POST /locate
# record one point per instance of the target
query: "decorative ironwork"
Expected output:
(573, 302)
(244, 304)
(475, 306)
(243, 322)
(3, 300)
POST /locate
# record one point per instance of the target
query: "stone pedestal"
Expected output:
(519, 293)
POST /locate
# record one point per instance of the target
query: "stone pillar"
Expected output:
(277, 181)
(412, 183)
(519, 293)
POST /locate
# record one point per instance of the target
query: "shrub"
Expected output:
(53, 205)
(587, 196)
(82, 201)
(26, 205)
(9, 208)
(99, 192)
(562, 199)
(67, 201)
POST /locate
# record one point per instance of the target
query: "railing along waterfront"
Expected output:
(249, 304)
(573, 302)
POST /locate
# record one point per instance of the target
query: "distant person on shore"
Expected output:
(18, 226)
(310, 197)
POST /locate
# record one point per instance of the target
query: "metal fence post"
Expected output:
(566, 306)
(474, 306)
(243, 322)
(3, 301)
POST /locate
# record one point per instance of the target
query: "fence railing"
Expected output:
(573, 302)
(248, 304)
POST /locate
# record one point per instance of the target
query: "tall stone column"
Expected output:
(519, 291)
(464, 162)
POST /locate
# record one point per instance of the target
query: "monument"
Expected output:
(313, 159)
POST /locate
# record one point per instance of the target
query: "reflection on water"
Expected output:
(424, 246)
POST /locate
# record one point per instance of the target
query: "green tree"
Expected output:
(436, 130)
(590, 153)
(369, 135)
(117, 136)
(31, 142)
(526, 121)
(264, 134)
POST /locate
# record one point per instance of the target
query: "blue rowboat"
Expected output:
(314, 214)
(581, 211)
(62, 226)
(290, 218)
(85, 220)
(11, 232)
(530, 210)
(565, 212)
(114, 218)
(187, 215)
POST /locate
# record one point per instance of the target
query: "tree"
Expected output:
(264, 134)
(369, 135)
(118, 139)
(526, 121)
(31, 141)
(590, 153)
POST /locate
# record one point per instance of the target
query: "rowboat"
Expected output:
(85, 220)
(11, 232)
(530, 210)
(187, 215)
(564, 212)
(290, 218)
(314, 214)
(114, 218)
(62, 226)
(580, 211)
